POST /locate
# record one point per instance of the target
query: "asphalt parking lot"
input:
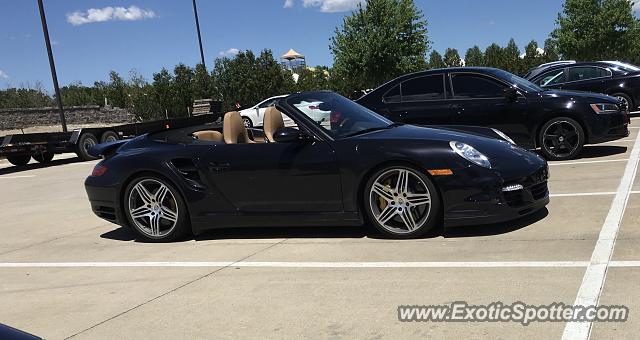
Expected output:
(66, 273)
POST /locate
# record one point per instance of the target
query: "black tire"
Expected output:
(43, 157)
(561, 138)
(247, 122)
(426, 223)
(182, 226)
(87, 141)
(109, 136)
(626, 98)
(19, 160)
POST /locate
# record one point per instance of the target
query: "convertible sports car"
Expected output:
(356, 167)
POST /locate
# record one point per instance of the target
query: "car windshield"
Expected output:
(337, 115)
(520, 83)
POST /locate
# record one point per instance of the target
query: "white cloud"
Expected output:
(636, 6)
(3, 75)
(109, 14)
(230, 52)
(288, 3)
(331, 6)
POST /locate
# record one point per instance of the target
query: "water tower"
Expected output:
(293, 61)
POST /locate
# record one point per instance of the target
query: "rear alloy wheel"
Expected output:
(626, 100)
(155, 209)
(247, 122)
(19, 160)
(43, 157)
(561, 139)
(402, 202)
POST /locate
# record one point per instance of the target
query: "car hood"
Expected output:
(491, 147)
(578, 95)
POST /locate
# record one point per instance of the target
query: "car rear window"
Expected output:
(584, 73)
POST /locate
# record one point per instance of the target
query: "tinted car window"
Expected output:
(423, 88)
(550, 78)
(472, 86)
(584, 73)
(393, 96)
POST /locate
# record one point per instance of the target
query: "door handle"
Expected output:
(219, 166)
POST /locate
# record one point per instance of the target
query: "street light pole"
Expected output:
(52, 65)
(195, 12)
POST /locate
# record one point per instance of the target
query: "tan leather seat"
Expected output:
(209, 135)
(233, 129)
(272, 122)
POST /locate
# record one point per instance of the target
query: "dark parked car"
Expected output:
(341, 165)
(559, 122)
(609, 77)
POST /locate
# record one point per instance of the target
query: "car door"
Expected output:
(587, 78)
(479, 99)
(276, 177)
(420, 100)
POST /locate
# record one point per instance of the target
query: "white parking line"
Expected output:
(576, 194)
(12, 177)
(629, 140)
(315, 264)
(596, 273)
(589, 162)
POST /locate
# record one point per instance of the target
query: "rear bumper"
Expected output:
(104, 202)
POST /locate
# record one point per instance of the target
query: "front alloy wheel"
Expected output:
(401, 202)
(155, 210)
(561, 139)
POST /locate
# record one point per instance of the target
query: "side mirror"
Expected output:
(289, 135)
(510, 93)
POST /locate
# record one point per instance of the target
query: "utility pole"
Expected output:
(52, 65)
(195, 12)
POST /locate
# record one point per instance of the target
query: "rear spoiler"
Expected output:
(105, 149)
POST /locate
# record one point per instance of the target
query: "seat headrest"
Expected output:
(233, 129)
(272, 122)
(209, 135)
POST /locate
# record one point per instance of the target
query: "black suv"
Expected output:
(609, 77)
(559, 122)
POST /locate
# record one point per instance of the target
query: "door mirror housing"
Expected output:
(510, 93)
(290, 135)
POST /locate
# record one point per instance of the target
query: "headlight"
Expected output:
(604, 108)
(503, 136)
(469, 153)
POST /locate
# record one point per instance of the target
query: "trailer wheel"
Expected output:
(19, 160)
(87, 141)
(109, 136)
(43, 157)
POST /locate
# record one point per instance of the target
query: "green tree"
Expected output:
(435, 60)
(76, 94)
(550, 51)
(202, 86)
(452, 58)
(379, 41)
(182, 90)
(493, 56)
(474, 57)
(313, 79)
(116, 90)
(532, 57)
(163, 91)
(597, 30)
(140, 97)
(511, 58)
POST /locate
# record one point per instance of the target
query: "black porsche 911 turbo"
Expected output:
(339, 165)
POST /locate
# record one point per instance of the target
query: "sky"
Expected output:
(92, 37)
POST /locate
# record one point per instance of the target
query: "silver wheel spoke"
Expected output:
(382, 191)
(386, 214)
(154, 224)
(139, 212)
(168, 214)
(415, 200)
(407, 219)
(161, 193)
(145, 195)
(403, 181)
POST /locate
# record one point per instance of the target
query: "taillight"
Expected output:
(98, 170)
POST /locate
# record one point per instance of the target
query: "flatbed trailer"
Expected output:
(20, 148)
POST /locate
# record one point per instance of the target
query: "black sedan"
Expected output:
(340, 165)
(558, 122)
(614, 78)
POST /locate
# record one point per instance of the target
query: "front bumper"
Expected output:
(486, 202)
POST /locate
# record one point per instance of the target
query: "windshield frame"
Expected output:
(309, 122)
(519, 82)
